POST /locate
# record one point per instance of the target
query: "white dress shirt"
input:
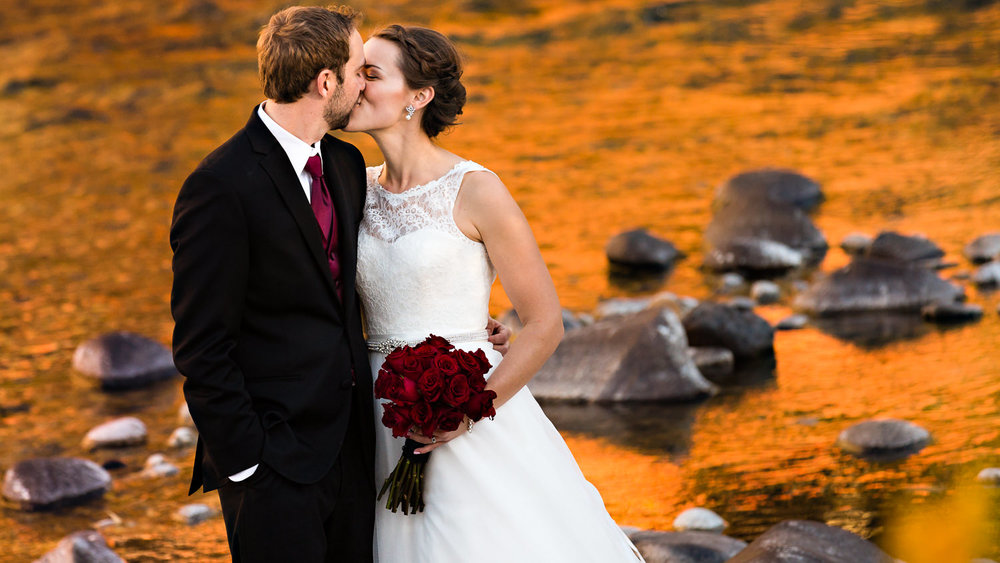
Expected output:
(298, 152)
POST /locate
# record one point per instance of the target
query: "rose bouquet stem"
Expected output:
(405, 483)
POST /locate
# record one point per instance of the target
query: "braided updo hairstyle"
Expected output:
(429, 59)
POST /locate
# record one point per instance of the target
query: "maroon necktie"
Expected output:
(327, 219)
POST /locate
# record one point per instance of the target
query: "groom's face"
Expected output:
(343, 99)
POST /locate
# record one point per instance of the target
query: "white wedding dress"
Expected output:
(510, 490)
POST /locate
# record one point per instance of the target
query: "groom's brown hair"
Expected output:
(300, 41)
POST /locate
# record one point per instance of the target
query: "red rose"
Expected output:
(382, 383)
(431, 384)
(480, 405)
(447, 365)
(425, 354)
(457, 391)
(438, 343)
(467, 362)
(484, 362)
(423, 416)
(397, 418)
(477, 383)
(450, 419)
(394, 361)
(412, 368)
(407, 392)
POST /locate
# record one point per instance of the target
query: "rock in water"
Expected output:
(951, 312)
(699, 520)
(765, 292)
(639, 249)
(192, 514)
(800, 541)
(81, 547)
(121, 432)
(640, 357)
(856, 243)
(989, 476)
(742, 332)
(685, 547)
(45, 483)
(988, 275)
(713, 363)
(773, 185)
(183, 437)
(876, 285)
(792, 322)
(983, 249)
(911, 249)
(124, 360)
(886, 438)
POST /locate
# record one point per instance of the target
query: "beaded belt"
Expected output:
(386, 344)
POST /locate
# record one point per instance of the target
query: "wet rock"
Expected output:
(45, 483)
(183, 437)
(876, 285)
(752, 254)
(989, 476)
(713, 363)
(699, 520)
(124, 360)
(774, 185)
(625, 358)
(792, 322)
(856, 244)
(632, 305)
(765, 292)
(158, 466)
(730, 281)
(987, 275)
(192, 514)
(983, 248)
(81, 547)
(184, 416)
(799, 541)
(951, 312)
(121, 432)
(685, 547)
(742, 303)
(744, 333)
(912, 249)
(639, 249)
(883, 438)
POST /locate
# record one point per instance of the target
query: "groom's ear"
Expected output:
(423, 97)
(326, 82)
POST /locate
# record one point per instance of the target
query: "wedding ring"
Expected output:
(434, 439)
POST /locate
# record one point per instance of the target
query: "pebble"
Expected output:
(987, 275)
(158, 466)
(701, 520)
(192, 514)
(730, 281)
(765, 292)
(183, 437)
(884, 437)
(121, 432)
(793, 322)
(989, 476)
(742, 303)
(856, 243)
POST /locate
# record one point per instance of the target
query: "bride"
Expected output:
(437, 230)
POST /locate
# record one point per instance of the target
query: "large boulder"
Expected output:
(44, 483)
(81, 547)
(124, 360)
(641, 250)
(803, 541)
(876, 285)
(983, 248)
(639, 357)
(773, 185)
(685, 547)
(913, 249)
(742, 332)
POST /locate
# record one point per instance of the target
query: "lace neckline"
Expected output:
(415, 189)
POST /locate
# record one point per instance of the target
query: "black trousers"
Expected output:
(270, 519)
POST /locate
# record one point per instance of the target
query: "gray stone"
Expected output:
(713, 363)
(883, 438)
(699, 520)
(765, 292)
(81, 547)
(951, 312)
(183, 437)
(802, 541)
(730, 281)
(639, 249)
(632, 305)
(45, 483)
(744, 333)
(192, 514)
(876, 285)
(742, 303)
(752, 254)
(913, 249)
(157, 466)
(685, 547)
(121, 432)
(987, 275)
(989, 476)
(626, 358)
(856, 243)
(772, 185)
(124, 360)
(983, 248)
(792, 322)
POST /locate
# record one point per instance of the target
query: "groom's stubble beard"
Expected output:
(336, 115)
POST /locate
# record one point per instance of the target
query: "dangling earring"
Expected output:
(409, 112)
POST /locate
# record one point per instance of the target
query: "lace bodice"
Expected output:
(417, 272)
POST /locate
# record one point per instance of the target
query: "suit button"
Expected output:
(346, 384)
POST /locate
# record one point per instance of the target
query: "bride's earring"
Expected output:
(409, 112)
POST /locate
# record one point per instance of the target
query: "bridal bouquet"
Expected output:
(430, 386)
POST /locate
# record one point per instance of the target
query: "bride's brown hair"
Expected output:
(429, 59)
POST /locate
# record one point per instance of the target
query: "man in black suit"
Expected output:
(268, 325)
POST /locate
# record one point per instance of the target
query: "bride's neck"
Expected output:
(411, 159)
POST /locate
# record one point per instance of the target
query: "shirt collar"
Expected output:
(298, 151)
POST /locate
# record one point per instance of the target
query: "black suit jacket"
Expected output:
(267, 348)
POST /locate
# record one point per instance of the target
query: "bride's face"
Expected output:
(386, 93)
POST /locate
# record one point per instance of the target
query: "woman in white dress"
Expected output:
(436, 231)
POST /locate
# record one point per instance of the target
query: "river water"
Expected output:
(599, 118)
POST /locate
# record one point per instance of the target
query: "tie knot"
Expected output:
(314, 166)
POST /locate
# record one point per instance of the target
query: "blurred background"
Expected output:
(600, 116)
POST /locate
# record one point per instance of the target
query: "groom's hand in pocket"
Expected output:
(499, 336)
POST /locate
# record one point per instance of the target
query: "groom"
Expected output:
(268, 325)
